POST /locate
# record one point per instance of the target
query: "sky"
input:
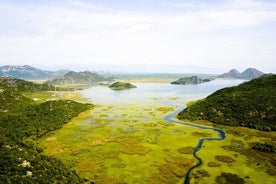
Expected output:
(203, 36)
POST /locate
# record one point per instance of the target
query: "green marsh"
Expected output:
(131, 143)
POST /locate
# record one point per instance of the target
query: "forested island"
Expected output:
(121, 86)
(191, 80)
(251, 104)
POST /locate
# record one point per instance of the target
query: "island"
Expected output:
(121, 86)
(191, 80)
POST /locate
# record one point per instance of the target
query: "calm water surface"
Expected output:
(161, 93)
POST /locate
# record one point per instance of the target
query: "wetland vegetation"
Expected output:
(124, 138)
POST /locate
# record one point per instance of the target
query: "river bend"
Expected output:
(221, 136)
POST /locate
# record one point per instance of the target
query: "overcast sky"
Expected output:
(209, 36)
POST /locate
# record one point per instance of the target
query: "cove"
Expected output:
(221, 134)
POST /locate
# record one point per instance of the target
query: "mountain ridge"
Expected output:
(86, 77)
(29, 72)
(248, 74)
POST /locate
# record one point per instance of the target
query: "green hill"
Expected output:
(22, 85)
(190, 80)
(121, 86)
(251, 104)
(21, 121)
(86, 77)
(11, 101)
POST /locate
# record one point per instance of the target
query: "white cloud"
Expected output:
(222, 35)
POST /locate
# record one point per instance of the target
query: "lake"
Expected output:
(160, 93)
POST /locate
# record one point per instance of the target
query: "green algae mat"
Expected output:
(133, 144)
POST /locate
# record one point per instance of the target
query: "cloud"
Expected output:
(222, 34)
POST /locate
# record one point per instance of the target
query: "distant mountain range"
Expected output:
(86, 77)
(29, 72)
(249, 73)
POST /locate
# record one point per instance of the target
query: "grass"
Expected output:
(51, 95)
(132, 144)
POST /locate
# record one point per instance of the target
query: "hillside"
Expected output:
(191, 80)
(29, 72)
(22, 85)
(251, 104)
(248, 74)
(86, 77)
(21, 121)
(11, 101)
(121, 86)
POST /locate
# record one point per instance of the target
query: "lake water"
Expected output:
(159, 93)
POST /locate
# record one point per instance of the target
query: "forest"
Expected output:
(21, 122)
(251, 104)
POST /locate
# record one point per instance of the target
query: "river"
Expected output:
(160, 93)
(221, 136)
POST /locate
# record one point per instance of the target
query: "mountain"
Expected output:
(231, 74)
(121, 86)
(29, 72)
(22, 85)
(86, 77)
(248, 74)
(251, 104)
(251, 73)
(191, 80)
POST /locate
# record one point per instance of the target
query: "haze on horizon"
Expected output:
(209, 36)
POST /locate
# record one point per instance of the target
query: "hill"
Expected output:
(251, 73)
(11, 101)
(22, 85)
(21, 121)
(29, 72)
(231, 74)
(86, 77)
(248, 74)
(121, 86)
(191, 80)
(251, 104)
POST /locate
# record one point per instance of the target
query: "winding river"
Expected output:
(221, 136)
(155, 93)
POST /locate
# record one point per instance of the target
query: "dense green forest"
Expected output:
(21, 121)
(251, 104)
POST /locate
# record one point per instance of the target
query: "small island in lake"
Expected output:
(121, 86)
(191, 80)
